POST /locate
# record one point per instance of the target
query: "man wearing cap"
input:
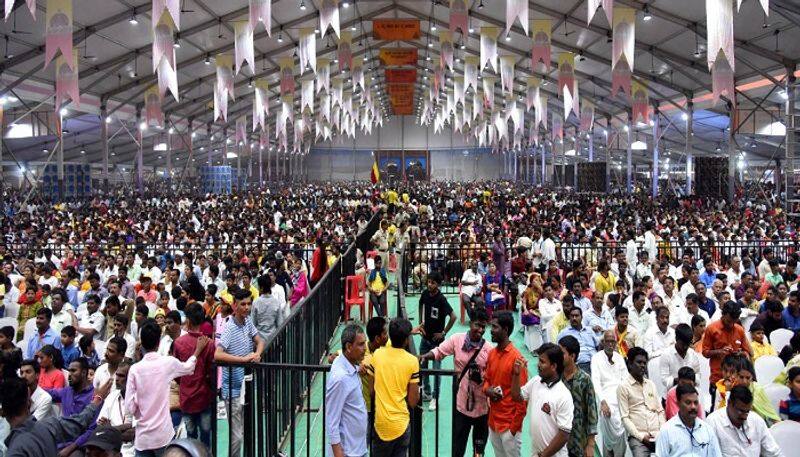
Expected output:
(104, 442)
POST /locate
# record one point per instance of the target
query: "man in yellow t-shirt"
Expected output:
(396, 374)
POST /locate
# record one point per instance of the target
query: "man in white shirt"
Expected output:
(114, 355)
(549, 308)
(548, 247)
(660, 337)
(734, 273)
(172, 330)
(631, 248)
(470, 282)
(121, 323)
(91, 322)
(608, 371)
(741, 433)
(113, 411)
(550, 406)
(650, 243)
(638, 314)
(41, 402)
(678, 356)
(674, 302)
(152, 270)
(61, 317)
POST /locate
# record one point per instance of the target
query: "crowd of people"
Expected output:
(646, 319)
(117, 312)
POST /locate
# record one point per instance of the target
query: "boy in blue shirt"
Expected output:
(69, 350)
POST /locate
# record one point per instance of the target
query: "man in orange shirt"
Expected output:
(724, 337)
(505, 413)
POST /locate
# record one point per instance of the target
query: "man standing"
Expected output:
(239, 343)
(267, 314)
(608, 372)
(549, 402)
(639, 405)
(433, 307)
(196, 390)
(505, 413)
(396, 375)
(470, 353)
(724, 337)
(44, 334)
(346, 413)
(585, 336)
(113, 413)
(740, 433)
(579, 384)
(377, 285)
(685, 434)
(41, 402)
(147, 392)
(73, 399)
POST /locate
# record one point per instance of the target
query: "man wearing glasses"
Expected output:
(740, 433)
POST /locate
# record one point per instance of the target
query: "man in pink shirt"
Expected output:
(147, 392)
(470, 353)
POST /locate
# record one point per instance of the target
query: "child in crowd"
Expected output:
(686, 377)
(69, 351)
(762, 405)
(790, 408)
(86, 346)
(758, 342)
(7, 339)
(51, 375)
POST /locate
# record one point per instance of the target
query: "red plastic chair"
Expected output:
(354, 295)
(393, 262)
(372, 254)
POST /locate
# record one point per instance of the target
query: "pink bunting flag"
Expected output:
(329, 15)
(507, 74)
(164, 56)
(489, 47)
(621, 78)
(566, 72)
(517, 9)
(608, 8)
(263, 139)
(153, 115)
(488, 91)
(344, 52)
(225, 74)
(540, 53)
(531, 93)
(358, 76)
(446, 43)
(67, 81)
(640, 103)
(307, 95)
(241, 130)
(220, 103)
(9, 7)
(287, 75)
(558, 128)
(58, 30)
(459, 16)
(171, 6)
(243, 45)
(438, 79)
(261, 11)
(307, 49)
(587, 117)
(723, 80)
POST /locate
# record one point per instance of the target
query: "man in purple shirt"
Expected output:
(73, 400)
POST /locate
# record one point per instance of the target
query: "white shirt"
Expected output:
(733, 276)
(630, 252)
(95, 321)
(61, 320)
(607, 376)
(548, 310)
(639, 321)
(102, 375)
(686, 289)
(677, 307)
(41, 404)
(470, 276)
(650, 245)
(752, 440)
(544, 426)
(671, 362)
(655, 342)
(548, 250)
(114, 410)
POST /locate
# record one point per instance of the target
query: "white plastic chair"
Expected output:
(767, 368)
(785, 434)
(12, 310)
(30, 329)
(776, 393)
(705, 375)
(654, 374)
(779, 338)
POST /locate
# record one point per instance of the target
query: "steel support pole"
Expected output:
(689, 139)
(104, 144)
(60, 157)
(656, 145)
(629, 159)
(544, 164)
(591, 147)
(139, 155)
(731, 155)
(169, 154)
(791, 140)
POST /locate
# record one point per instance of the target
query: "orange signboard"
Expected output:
(401, 97)
(401, 75)
(395, 29)
(398, 56)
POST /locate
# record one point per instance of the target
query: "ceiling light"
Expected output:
(430, 45)
(133, 20)
(508, 37)
(177, 43)
(480, 5)
(463, 46)
(353, 27)
(143, 126)
(433, 27)
(171, 131)
(639, 146)
(83, 151)
(63, 112)
(345, 5)
(108, 119)
(208, 60)
(302, 5)
(280, 37)
(647, 16)
(471, 30)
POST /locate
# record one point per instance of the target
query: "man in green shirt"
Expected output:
(584, 417)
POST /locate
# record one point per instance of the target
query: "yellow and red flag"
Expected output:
(375, 174)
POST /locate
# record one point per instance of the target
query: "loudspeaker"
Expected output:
(592, 177)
